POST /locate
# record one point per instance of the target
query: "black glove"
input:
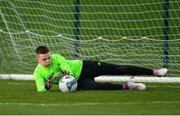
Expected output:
(49, 83)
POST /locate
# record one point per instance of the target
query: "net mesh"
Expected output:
(114, 31)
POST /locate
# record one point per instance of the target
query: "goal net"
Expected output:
(134, 32)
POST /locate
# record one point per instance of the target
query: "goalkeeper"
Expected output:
(52, 67)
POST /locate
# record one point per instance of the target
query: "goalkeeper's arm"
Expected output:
(49, 83)
(51, 79)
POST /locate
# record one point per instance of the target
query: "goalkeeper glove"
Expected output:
(49, 83)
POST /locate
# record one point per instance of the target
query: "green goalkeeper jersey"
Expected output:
(58, 65)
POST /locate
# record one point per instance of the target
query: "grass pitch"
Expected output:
(20, 97)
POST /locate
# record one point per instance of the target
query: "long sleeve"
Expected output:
(64, 65)
(39, 82)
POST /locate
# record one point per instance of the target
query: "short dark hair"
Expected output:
(42, 50)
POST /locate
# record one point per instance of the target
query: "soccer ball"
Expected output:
(68, 84)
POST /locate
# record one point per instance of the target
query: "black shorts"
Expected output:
(92, 69)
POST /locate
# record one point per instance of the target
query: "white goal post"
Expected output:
(104, 78)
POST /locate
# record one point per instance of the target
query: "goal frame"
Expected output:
(104, 78)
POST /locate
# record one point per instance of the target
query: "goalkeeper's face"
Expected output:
(44, 59)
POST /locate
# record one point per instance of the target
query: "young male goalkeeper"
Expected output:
(52, 67)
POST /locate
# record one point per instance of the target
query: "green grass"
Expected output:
(20, 97)
(110, 19)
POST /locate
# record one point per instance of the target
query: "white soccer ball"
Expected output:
(68, 84)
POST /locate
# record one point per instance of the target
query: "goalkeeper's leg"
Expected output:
(95, 68)
(90, 84)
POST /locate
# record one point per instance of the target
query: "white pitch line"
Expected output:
(49, 104)
(90, 103)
